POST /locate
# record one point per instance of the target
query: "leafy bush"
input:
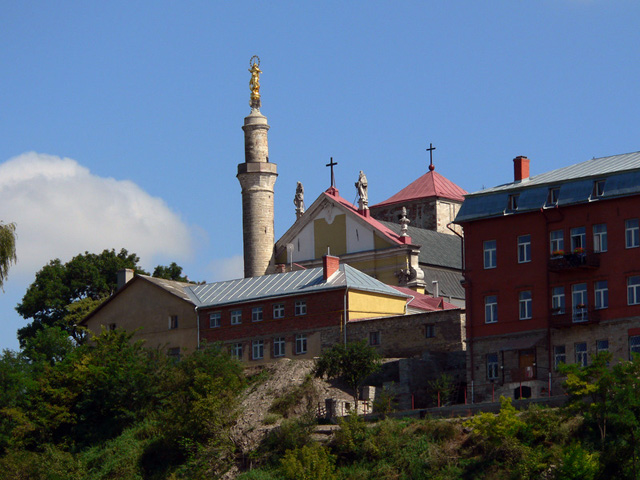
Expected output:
(311, 462)
(577, 464)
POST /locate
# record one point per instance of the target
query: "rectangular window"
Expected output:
(490, 254)
(633, 290)
(634, 346)
(578, 235)
(429, 331)
(257, 349)
(601, 293)
(278, 310)
(600, 238)
(256, 314)
(301, 307)
(214, 320)
(556, 240)
(602, 346)
(513, 202)
(552, 197)
(490, 309)
(173, 322)
(598, 189)
(525, 304)
(559, 356)
(374, 338)
(581, 353)
(236, 317)
(632, 233)
(278, 347)
(579, 302)
(492, 366)
(557, 300)
(524, 248)
(236, 351)
(301, 344)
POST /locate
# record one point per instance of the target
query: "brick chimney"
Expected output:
(520, 168)
(330, 265)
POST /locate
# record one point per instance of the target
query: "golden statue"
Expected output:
(254, 83)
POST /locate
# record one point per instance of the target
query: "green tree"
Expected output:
(352, 363)
(7, 249)
(50, 299)
(172, 272)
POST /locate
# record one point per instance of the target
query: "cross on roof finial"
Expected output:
(333, 178)
(430, 150)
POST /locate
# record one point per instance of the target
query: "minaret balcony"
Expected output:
(580, 259)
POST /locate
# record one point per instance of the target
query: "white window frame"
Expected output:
(600, 238)
(602, 345)
(279, 345)
(598, 189)
(581, 353)
(525, 304)
(578, 238)
(300, 308)
(490, 249)
(558, 300)
(278, 310)
(491, 309)
(634, 345)
(236, 317)
(559, 355)
(556, 241)
(513, 201)
(632, 233)
(601, 291)
(236, 351)
(257, 349)
(552, 196)
(579, 297)
(215, 320)
(524, 248)
(493, 366)
(633, 290)
(301, 344)
(256, 314)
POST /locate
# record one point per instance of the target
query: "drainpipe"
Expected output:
(344, 316)
(197, 328)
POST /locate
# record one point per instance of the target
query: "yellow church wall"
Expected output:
(333, 236)
(368, 304)
(380, 243)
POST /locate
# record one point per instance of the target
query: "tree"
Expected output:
(7, 249)
(352, 363)
(172, 272)
(50, 298)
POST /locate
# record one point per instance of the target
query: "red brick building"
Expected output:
(552, 273)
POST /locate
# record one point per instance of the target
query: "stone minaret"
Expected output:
(257, 177)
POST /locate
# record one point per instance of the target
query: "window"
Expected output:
(492, 366)
(490, 309)
(214, 320)
(301, 344)
(374, 338)
(236, 351)
(634, 346)
(525, 305)
(173, 322)
(256, 314)
(490, 260)
(429, 331)
(579, 302)
(524, 248)
(513, 202)
(598, 189)
(278, 347)
(174, 353)
(633, 290)
(556, 240)
(278, 310)
(559, 356)
(301, 307)
(236, 317)
(557, 300)
(632, 233)
(602, 346)
(602, 294)
(552, 197)
(600, 238)
(257, 349)
(581, 353)
(577, 239)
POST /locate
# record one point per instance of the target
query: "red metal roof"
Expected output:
(431, 184)
(425, 302)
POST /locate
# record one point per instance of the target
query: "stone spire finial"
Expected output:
(363, 194)
(404, 222)
(254, 83)
(298, 200)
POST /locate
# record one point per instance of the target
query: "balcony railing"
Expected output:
(569, 318)
(584, 259)
(523, 374)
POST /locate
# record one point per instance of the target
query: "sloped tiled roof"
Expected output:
(431, 184)
(171, 286)
(421, 301)
(448, 282)
(283, 284)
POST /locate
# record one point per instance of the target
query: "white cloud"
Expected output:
(226, 268)
(61, 209)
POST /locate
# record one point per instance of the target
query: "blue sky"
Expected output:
(121, 121)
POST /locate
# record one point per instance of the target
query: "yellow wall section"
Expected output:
(332, 235)
(368, 304)
(379, 242)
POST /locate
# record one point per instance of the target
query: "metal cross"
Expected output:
(430, 150)
(333, 178)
